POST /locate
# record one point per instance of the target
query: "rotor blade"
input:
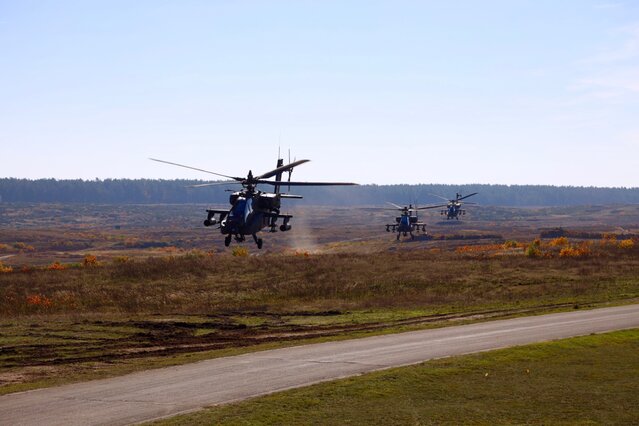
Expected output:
(432, 207)
(395, 205)
(195, 168)
(438, 196)
(469, 195)
(281, 169)
(201, 185)
(275, 182)
(474, 204)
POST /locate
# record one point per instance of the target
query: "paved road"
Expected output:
(157, 393)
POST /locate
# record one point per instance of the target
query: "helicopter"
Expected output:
(453, 208)
(252, 210)
(407, 222)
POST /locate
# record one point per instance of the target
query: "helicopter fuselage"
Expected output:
(453, 211)
(250, 213)
(247, 216)
(406, 224)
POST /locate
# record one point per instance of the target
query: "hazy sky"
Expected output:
(509, 92)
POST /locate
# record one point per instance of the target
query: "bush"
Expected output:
(239, 251)
(57, 266)
(582, 250)
(559, 242)
(534, 249)
(626, 244)
(511, 244)
(90, 261)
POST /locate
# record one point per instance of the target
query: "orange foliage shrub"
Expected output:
(512, 244)
(56, 266)
(626, 244)
(90, 261)
(559, 242)
(39, 300)
(239, 251)
(5, 269)
(582, 250)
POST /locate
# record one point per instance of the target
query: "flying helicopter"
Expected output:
(407, 222)
(252, 210)
(453, 207)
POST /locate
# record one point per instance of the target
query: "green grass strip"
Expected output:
(585, 380)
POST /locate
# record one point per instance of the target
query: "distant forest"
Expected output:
(146, 191)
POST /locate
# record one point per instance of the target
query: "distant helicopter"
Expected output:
(453, 208)
(407, 222)
(252, 210)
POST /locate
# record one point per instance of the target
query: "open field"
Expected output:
(143, 286)
(44, 233)
(583, 380)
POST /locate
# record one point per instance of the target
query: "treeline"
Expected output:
(147, 191)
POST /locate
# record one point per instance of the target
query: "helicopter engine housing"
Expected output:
(267, 202)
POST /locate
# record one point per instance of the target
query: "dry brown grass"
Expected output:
(198, 282)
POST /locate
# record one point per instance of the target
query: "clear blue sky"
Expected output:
(509, 92)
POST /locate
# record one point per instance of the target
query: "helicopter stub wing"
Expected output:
(217, 211)
(279, 216)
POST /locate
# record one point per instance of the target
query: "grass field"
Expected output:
(96, 291)
(95, 321)
(584, 380)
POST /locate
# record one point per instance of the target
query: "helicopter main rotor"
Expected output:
(250, 181)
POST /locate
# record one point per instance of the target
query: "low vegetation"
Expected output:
(91, 291)
(584, 380)
(198, 283)
(65, 322)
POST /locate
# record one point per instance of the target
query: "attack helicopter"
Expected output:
(453, 207)
(252, 210)
(407, 222)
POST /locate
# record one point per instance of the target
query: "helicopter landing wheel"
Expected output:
(227, 240)
(412, 237)
(259, 244)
